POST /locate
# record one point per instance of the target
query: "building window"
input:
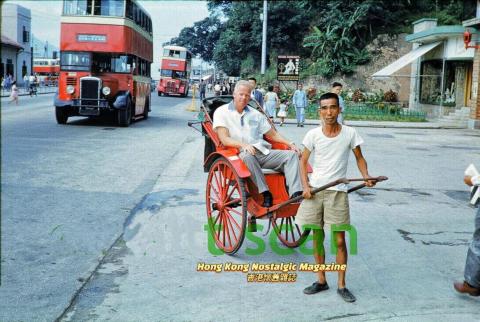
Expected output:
(26, 35)
(24, 69)
(455, 83)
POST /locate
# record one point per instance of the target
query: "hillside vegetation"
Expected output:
(331, 35)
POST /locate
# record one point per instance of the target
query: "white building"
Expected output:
(16, 55)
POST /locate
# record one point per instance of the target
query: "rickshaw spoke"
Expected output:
(236, 223)
(231, 191)
(233, 230)
(227, 229)
(223, 230)
(216, 219)
(215, 191)
(224, 175)
(281, 225)
(233, 210)
(232, 201)
(286, 228)
(218, 184)
(291, 229)
(298, 229)
(213, 199)
(219, 227)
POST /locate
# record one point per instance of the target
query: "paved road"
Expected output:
(64, 205)
(66, 193)
(413, 233)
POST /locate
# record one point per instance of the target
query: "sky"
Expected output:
(168, 17)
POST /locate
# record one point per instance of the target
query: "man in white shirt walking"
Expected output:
(331, 144)
(300, 102)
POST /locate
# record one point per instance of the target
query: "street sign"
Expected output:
(287, 68)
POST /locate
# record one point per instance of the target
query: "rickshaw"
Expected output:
(233, 202)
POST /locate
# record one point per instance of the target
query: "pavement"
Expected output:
(382, 124)
(25, 92)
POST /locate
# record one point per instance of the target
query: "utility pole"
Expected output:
(264, 38)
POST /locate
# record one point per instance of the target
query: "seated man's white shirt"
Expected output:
(247, 127)
(331, 155)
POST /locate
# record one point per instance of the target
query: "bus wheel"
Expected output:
(125, 115)
(159, 93)
(146, 108)
(61, 115)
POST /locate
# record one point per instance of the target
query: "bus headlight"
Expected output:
(106, 90)
(70, 89)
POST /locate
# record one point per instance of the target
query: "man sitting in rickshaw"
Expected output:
(243, 127)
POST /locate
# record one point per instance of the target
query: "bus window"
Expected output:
(129, 9)
(75, 61)
(111, 63)
(109, 8)
(77, 7)
(178, 74)
(166, 73)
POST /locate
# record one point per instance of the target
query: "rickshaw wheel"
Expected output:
(226, 206)
(289, 233)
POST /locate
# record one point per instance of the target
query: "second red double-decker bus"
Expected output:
(47, 70)
(176, 64)
(106, 48)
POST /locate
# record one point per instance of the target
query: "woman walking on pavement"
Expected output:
(271, 102)
(14, 93)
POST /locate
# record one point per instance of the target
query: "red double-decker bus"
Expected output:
(47, 70)
(106, 49)
(175, 68)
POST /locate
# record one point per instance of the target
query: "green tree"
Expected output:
(201, 38)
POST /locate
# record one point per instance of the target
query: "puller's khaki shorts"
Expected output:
(327, 207)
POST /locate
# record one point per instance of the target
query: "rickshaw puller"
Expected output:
(242, 127)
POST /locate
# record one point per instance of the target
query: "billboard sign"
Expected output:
(287, 68)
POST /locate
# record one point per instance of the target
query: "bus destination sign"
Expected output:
(91, 38)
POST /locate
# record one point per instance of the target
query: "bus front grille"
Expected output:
(90, 91)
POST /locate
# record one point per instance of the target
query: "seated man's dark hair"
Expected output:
(252, 78)
(335, 84)
(327, 96)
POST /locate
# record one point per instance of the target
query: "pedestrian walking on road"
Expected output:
(471, 282)
(282, 113)
(203, 88)
(7, 83)
(33, 88)
(256, 94)
(218, 89)
(300, 102)
(271, 102)
(337, 89)
(14, 93)
(25, 82)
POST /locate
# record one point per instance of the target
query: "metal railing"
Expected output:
(381, 111)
